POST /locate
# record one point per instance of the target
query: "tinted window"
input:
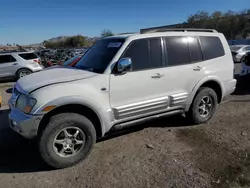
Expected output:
(211, 47)
(100, 55)
(247, 48)
(7, 59)
(138, 51)
(177, 51)
(194, 49)
(145, 53)
(155, 52)
(28, 56)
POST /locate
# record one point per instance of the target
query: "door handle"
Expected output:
(157, 75)
(14, 64)
(198, 68)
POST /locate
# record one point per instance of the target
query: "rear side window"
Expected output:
(145, 53)
(211, 47)
(177, 51)
(28, 56)
(7, 59)
(194, 49)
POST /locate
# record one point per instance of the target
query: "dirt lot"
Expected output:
(166, 153)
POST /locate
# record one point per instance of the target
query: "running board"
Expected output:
(131, 123)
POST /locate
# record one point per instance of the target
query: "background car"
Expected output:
(245, 70)
(19, 64)
(238, 51)
(71, 62)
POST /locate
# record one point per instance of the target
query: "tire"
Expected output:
(195, 114)
(55, 127)
(23, 72)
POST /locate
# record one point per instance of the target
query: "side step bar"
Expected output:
(128, 124)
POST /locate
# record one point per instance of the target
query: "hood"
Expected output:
(52, 76)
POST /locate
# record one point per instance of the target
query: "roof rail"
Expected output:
(153, 30)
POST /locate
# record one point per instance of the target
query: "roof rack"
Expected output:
(153, 30)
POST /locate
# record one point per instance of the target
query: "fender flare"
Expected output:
(75, 100)
(210, 78)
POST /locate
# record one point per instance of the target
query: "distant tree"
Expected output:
(106, 33)
(232, 24)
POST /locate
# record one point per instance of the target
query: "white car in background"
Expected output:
(19, 64)
(238, 52)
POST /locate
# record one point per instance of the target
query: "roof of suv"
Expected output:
(169, 32)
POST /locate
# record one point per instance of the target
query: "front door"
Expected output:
(139, 93)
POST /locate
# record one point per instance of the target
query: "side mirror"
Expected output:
(124, 65)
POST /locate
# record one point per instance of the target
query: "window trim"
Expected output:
(131, 42)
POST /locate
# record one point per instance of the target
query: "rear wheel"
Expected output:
(23, 72)
(204, 106)
(67, 139)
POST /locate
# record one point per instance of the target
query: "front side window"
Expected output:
(7, 59)
(211, 47)
(145, 54)
(177, 51)
(98, 57)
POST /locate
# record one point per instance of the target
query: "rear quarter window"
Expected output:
(28, 56)
(211, 47)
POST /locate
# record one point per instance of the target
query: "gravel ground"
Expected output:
(165, 153)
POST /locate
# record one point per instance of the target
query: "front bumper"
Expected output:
(24, 124)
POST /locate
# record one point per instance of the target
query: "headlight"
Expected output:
(25, 103)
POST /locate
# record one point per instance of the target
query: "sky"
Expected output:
(33, 21)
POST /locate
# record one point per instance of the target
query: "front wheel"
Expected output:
(204, 106)
(66, 140)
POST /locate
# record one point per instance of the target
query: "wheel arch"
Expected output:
(81, 109)
(212, 82)
(24, 68)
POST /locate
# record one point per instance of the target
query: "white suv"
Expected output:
(18, 64)
(122, 81)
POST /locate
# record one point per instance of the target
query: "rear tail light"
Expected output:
(37, 61)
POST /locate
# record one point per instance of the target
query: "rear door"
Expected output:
(7, 65)
(183, 68)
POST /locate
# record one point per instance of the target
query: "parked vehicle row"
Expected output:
(121, 81)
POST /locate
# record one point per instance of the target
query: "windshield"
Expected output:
(67, 63)
(98, 57)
